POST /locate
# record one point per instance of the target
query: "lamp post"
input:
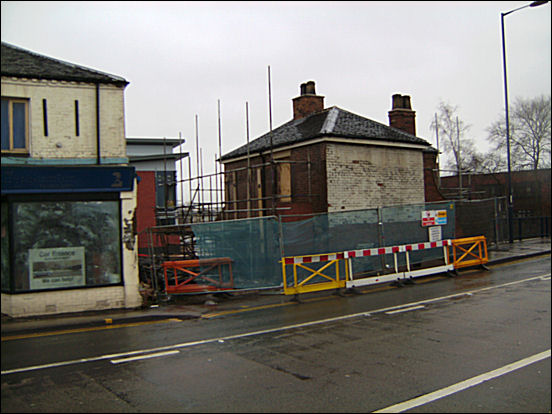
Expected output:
(510, 198)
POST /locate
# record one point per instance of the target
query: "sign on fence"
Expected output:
(435, 233)
(434, 218)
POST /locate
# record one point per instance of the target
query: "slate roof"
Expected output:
(23, 63)
(331, 122)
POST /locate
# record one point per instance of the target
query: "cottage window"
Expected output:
(284, 181)
(283, 176)
(15, 125)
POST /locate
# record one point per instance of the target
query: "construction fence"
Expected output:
(249, 253)
(489, 217)
(256, 246)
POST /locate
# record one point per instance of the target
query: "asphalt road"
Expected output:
(479, 342)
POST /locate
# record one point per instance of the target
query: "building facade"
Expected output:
(68, 193)
(155, 162)
(328, 159)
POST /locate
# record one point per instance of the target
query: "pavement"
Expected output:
(202, 305)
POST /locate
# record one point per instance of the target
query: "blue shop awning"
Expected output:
(61, 179)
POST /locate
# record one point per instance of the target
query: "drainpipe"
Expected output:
(98, 158)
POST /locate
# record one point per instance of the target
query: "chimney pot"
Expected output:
(401, 102)
(309, 88)
(401, 115)
(308, 102)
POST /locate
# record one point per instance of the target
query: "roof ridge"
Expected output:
(332, 121)
(329, 122)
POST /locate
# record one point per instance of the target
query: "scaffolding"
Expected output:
(214, 197)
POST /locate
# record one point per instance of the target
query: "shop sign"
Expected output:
(56, 268)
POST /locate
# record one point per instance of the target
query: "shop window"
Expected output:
(62, 244)
(15, 125)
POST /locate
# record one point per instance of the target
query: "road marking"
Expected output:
(460, 386)
(265, 331)
(405, 309)
(277, 305)
(233, 311)
(93, 328)
(136, 358)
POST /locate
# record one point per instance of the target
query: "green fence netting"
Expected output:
(252, 244)
(257, 245)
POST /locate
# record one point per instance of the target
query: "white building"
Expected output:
(68, 193)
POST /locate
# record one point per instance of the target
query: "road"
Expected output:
(479, 342)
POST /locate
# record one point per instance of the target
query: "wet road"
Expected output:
(363, 352)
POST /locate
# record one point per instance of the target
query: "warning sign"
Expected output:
(434, 233)
(434, 218)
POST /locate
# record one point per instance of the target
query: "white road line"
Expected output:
(460, 386)
(147, 356)
(405, 309)
(261, 332)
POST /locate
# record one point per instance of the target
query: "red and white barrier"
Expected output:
(395, 250)
(397, 276)
(364, 252)
(314, 258)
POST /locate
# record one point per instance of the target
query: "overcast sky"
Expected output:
(182, 57)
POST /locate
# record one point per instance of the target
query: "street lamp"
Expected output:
(510, 198)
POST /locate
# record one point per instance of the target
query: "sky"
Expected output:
(183, 59)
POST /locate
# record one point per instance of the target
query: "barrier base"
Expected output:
(400, 278)
(374, 280)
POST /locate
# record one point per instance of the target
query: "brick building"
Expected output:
(329, 159)
(530, 190)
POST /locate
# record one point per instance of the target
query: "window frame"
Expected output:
(11, 149)
(9, 202)
(283, 176)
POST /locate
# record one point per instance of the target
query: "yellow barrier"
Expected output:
(303, 286)
(474, 254)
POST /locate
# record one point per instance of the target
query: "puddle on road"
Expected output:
(472, 279)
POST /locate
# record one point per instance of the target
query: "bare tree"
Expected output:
(529, 134)
(459, 150)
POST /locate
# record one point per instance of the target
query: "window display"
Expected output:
(64, 244)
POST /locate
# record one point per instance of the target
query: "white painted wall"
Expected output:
(62, 142)
(361, 177)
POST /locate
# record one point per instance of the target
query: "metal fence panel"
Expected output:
(252, 244)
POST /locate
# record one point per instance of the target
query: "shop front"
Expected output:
(68, 239)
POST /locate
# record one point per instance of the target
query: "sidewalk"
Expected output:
(193, 306)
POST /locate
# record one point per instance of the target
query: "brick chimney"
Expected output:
(308, 102)
(401, 116)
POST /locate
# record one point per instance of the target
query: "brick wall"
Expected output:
(340, 177)
(431, 177)
(145, 210)
(308, 184)
(530, 189)
(362, 177)
(63, 301)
